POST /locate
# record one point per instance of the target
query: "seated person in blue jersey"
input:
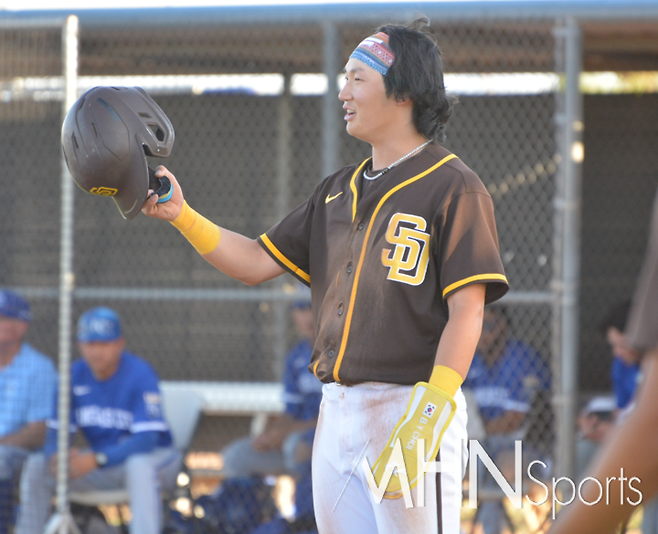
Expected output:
(116, 403)
(596, 420)
(505, 376)
(28, 381)
(285, 445)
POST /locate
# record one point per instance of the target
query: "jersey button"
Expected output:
(340, 310)
(331, 353)
(360, 227)
(349, 268)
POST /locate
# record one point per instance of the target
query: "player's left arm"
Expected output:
(462, 332)
(431, 407)
(30, 436)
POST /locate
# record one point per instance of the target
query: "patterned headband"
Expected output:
(375, 52)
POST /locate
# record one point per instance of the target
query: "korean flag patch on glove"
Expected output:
(428, 415)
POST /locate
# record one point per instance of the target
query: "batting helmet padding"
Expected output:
(106, 137)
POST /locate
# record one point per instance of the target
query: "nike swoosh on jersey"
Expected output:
(81, 390)
(330, 198)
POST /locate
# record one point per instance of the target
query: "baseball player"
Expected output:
(631, 451)
(401, 255)
(116, 403)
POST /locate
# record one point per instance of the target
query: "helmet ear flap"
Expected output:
(107, 135)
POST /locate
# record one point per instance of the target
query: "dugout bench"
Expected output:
(259, 400)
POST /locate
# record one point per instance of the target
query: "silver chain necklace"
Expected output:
(365, 172)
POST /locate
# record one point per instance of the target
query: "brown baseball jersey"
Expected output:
(642, 326)
(381, 258)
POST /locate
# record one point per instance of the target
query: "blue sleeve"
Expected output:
(140, 442)
(147, 410)
(624, 381)
(50, 446)
(292, 397)
(525, 379)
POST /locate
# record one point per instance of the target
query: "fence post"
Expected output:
(62, 522)
(567, 245)
(330, 105)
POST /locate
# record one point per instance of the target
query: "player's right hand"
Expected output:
(167, 211)
(428, 415)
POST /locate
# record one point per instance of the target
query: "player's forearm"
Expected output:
(141, 442)
(301, 426)
(462, 332)
(508, 422)
(243, 259)
(30, 437)
(630, 447)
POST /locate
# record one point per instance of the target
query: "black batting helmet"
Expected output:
(106, 137)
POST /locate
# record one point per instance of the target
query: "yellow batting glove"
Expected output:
(427, 417)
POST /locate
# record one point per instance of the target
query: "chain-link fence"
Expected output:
(257, 126)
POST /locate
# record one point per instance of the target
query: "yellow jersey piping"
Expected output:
(471, 279)
(350, 310)
(279, 256)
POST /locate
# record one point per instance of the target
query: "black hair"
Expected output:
(417, 74)
(616, 317)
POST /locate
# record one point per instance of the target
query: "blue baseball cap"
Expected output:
(99, 325)
(14, 306)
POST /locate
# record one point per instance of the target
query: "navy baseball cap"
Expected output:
(14, 306)
(99, 325)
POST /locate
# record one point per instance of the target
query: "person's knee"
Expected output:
(297, 453)
(234, 457)
(35, 474)
(11, 461)
(36, 468)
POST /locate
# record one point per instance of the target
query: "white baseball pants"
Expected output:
(350, 416)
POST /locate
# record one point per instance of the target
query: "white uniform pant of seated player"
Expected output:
(349, 417)
(143, 475)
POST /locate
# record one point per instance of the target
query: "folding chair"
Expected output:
(182, 411)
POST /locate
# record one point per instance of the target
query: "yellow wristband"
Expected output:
(199, 231)
(446, 379)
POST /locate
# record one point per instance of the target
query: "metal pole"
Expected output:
(62, 522)
(568, 214)
(284, 152)
(330, 105)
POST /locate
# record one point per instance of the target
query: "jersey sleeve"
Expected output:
(148, 415)
(468, 247)
(288, 241)
(292, 397)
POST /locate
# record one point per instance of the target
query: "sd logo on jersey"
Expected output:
(407, 262)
